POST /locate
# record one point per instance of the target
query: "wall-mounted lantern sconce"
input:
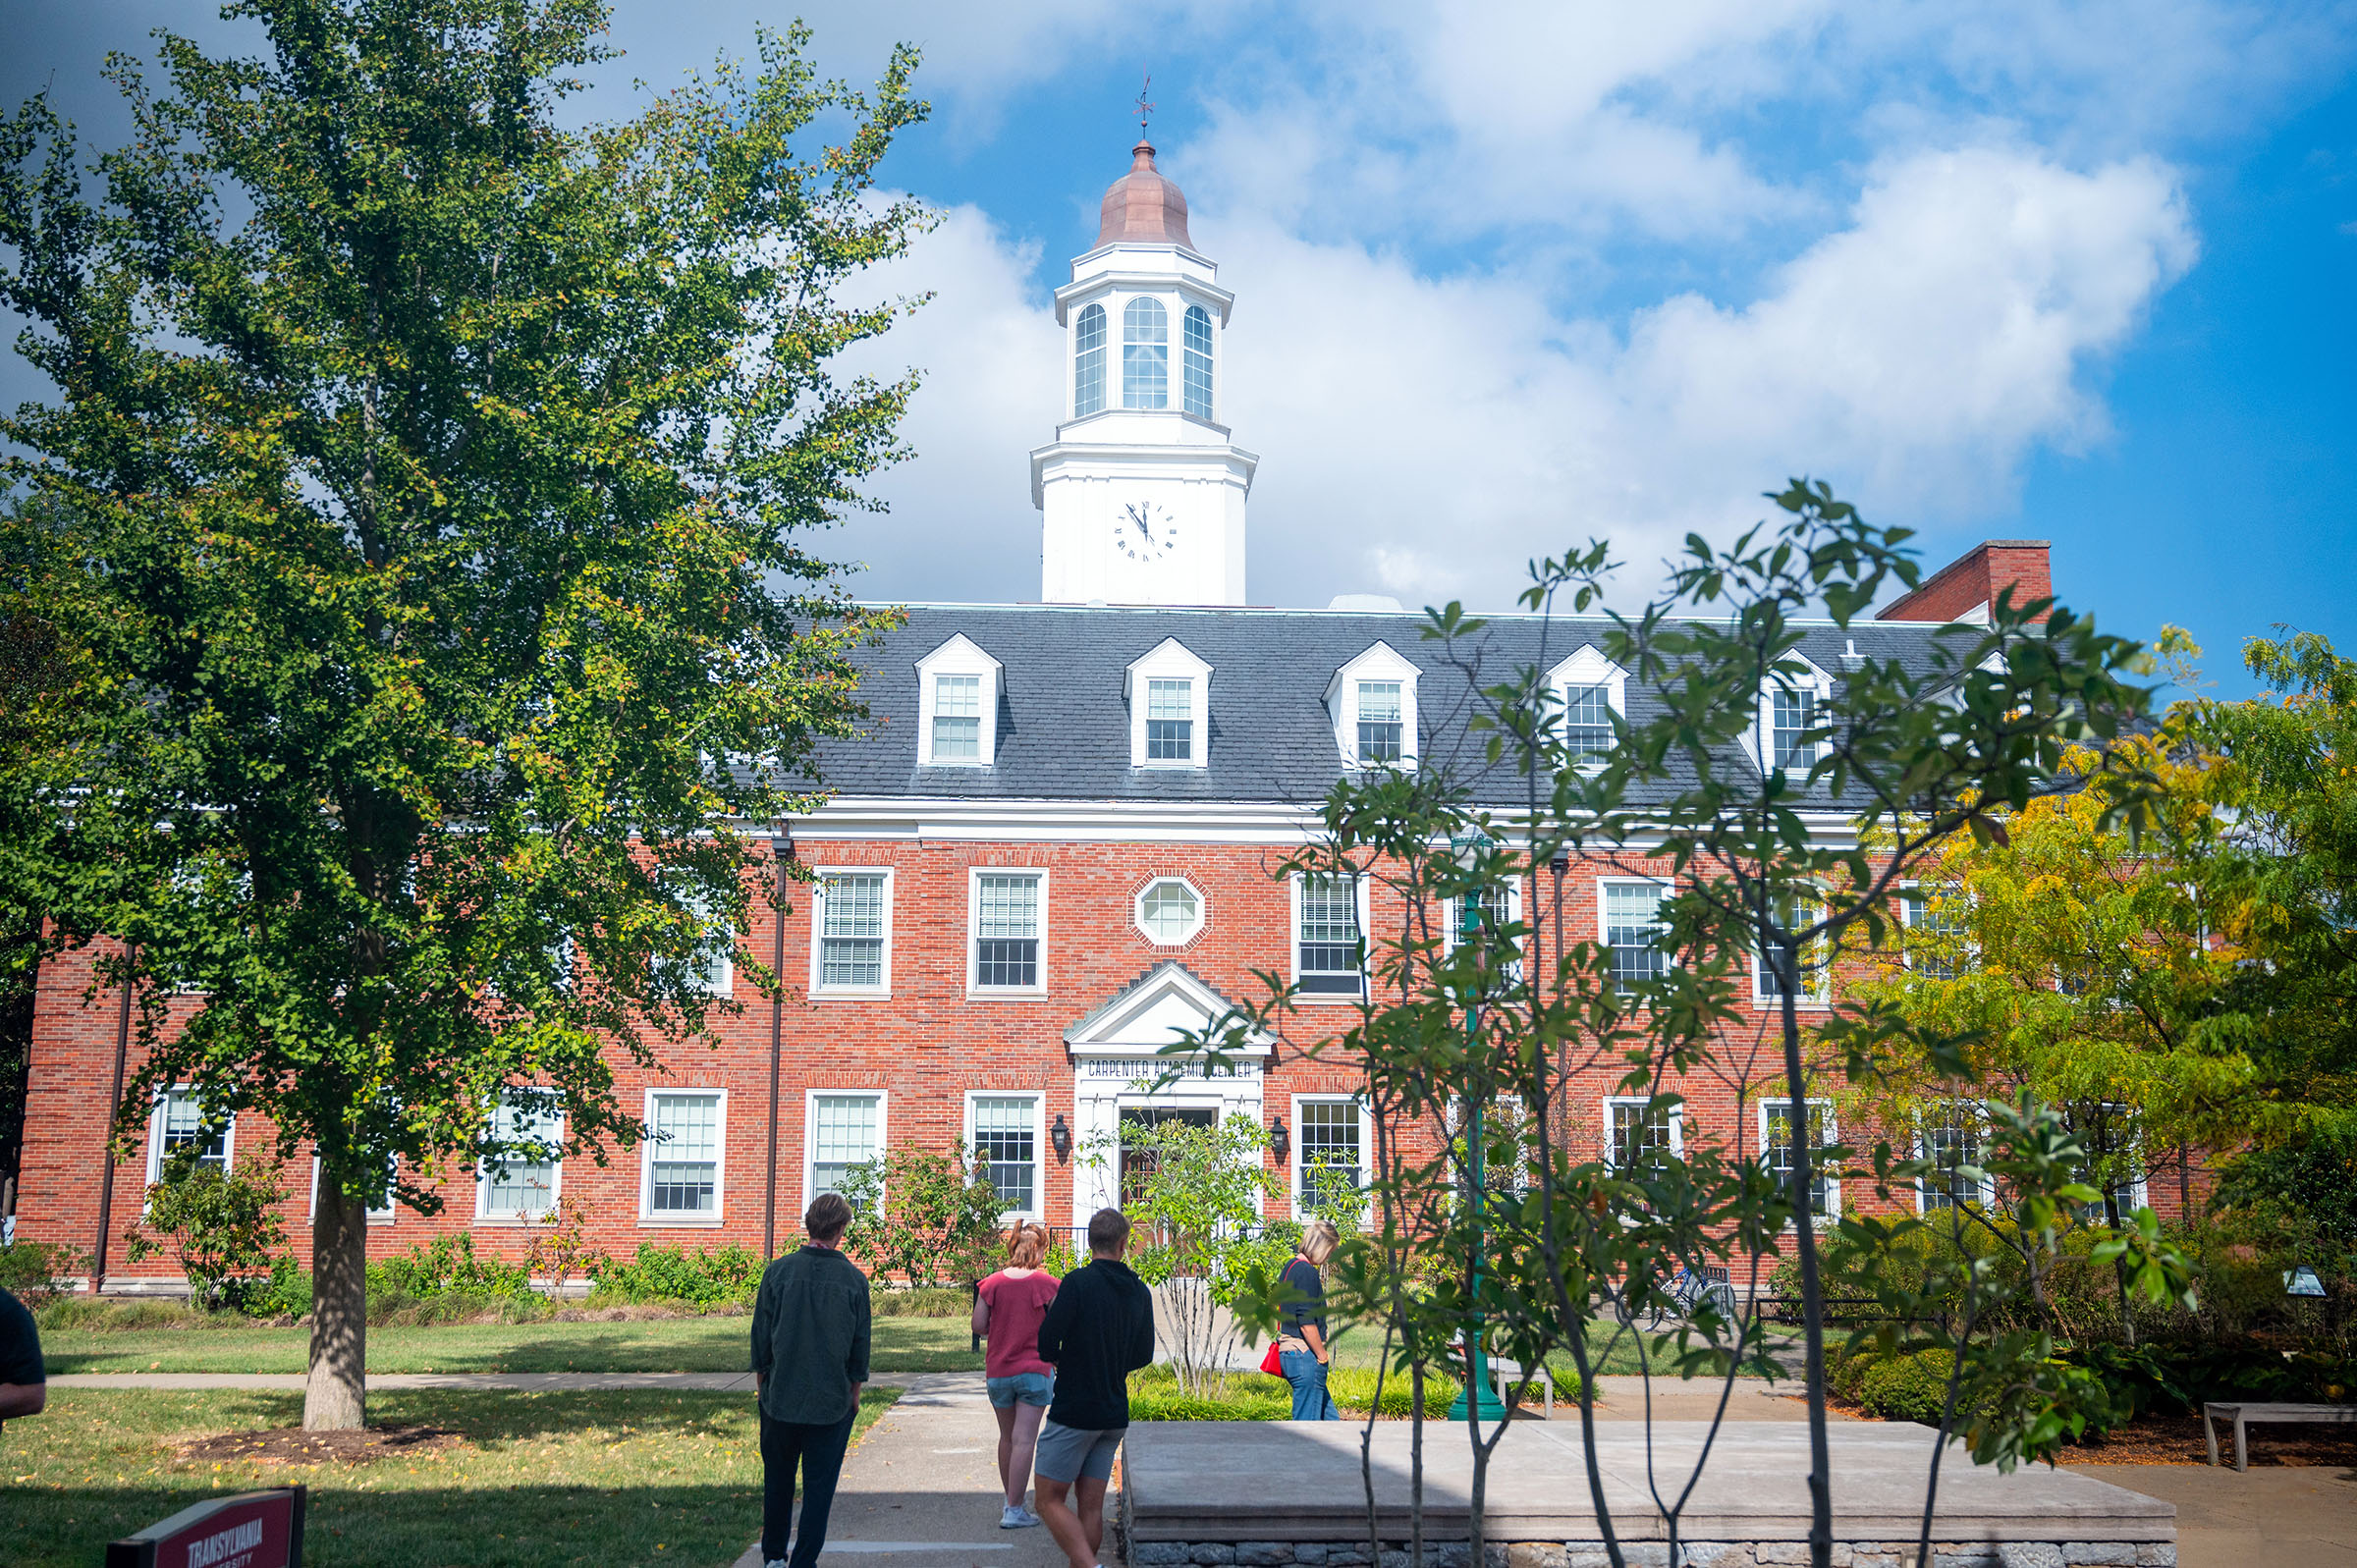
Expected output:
(1061, 1137)
(1561, 863)
(1281, 1144)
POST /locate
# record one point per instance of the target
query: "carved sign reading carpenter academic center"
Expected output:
(253, 1530)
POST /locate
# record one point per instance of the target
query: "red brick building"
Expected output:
(1056, 841)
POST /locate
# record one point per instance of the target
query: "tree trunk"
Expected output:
(1786, 956)
(332, 1400)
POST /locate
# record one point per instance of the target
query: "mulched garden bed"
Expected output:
(291, 1445)
(2177, 1440)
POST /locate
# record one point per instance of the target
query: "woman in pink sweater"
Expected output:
(1008, 1309)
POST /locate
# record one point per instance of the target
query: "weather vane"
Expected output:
(1143, 107)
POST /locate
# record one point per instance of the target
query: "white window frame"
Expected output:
(1923, 1151)
(1584, 668)
(1168, 660)
(556, 1181)
(1106, 365)
(960, 656)
(1817, 992)
(818, 934)
(667, 1221)
(1807, 678)
(1039, 1146)
(810, 1099)
(1832, 1134)
(1909, 893)
(1137, 911)
(1678, 1125)
(1604, 923)
(155, 1132)
(1294, 885)
(1297, 1158)
(1381, 662)
(974, 988)
(376, 1217)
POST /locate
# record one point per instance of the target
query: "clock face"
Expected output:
(1144, 530)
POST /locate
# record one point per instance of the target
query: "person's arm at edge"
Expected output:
(765, 1314)
(22, 1399)
(981, 1311)
(861, 1342)
(1142, 1334)
(1058, 1319)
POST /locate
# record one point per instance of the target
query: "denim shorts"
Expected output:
(1074, 1453)
(1024, 1388)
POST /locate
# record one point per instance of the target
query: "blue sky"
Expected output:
(1512, 274)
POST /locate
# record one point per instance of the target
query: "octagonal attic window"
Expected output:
(1170, 912)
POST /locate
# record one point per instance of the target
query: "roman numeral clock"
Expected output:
(1144, 530)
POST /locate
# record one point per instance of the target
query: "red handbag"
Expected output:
(1273, 1363)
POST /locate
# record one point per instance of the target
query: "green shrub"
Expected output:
(1849, 1369)
(699, 1280)
(1908, 1387)
(1155, 1395)
(112, 1314)
(35, 1271)
(447, 1266)
(223, 1225)
(1354, 1388)
(286, 1294)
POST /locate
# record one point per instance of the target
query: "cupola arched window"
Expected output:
(1145, 355)
(1089, 363)
(1197, 365)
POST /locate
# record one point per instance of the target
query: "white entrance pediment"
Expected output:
(1160, 1008)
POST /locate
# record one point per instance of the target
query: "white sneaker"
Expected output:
(1017, 1519)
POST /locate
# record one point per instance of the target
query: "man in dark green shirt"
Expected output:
(810, 1337)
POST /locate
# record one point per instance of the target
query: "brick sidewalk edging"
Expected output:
(1656, 1554)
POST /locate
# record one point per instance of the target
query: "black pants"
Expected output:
(818, 1450)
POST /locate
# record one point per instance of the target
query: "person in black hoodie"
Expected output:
(1098, 1330)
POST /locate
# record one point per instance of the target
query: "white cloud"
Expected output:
(1425, 436)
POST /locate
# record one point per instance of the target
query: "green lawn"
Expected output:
(661, 1345)
(1610, 1353)
(542, 1481)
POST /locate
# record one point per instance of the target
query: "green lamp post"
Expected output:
(1476, 1401)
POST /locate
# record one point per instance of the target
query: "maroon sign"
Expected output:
(253, 1530)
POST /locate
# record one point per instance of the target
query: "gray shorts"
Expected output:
(1072, 1453)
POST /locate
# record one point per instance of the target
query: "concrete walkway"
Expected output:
(921, 1489)
(2271, 1517)
(518, 1382)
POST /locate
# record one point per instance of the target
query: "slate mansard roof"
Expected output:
(1064, 732)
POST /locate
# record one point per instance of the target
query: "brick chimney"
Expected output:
(1965, 588)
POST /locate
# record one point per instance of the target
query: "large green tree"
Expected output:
(427, 476)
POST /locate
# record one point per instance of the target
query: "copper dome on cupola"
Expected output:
(1142, 207)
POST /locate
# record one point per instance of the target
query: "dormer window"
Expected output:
(1796, 700)
(1169, 708)
(1591, 689)
(1089, 363)
(957, 706)
(1373, 702)
(1145, 354)
(1379, 719)
(956, 719)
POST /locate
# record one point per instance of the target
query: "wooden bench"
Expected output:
(2242, 1413)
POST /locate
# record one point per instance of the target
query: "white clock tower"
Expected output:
(1141, 492)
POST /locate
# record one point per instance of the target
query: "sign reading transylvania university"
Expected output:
(253, 1530)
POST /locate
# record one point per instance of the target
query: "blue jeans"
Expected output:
(1307, 1373)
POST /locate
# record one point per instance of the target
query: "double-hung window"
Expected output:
(956, 719)
(1006, 1146)
(1007, 915)
(1795, 912)
(1330, 1159)
(1329, 955)
(1776, 1145)
(521, 1181)
(1633, 929)
(1936, 932)
(682, 1155)
(180, 1123)
(846, 1131)
(1145, 354)
(1197, 331)
(1952, 1145)
(1381, 721)
(1170, 721)
(853, 928)
(710, 965)
(1639, 1132)
(1587, 724)
(1089, 363)
(1793, 715)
